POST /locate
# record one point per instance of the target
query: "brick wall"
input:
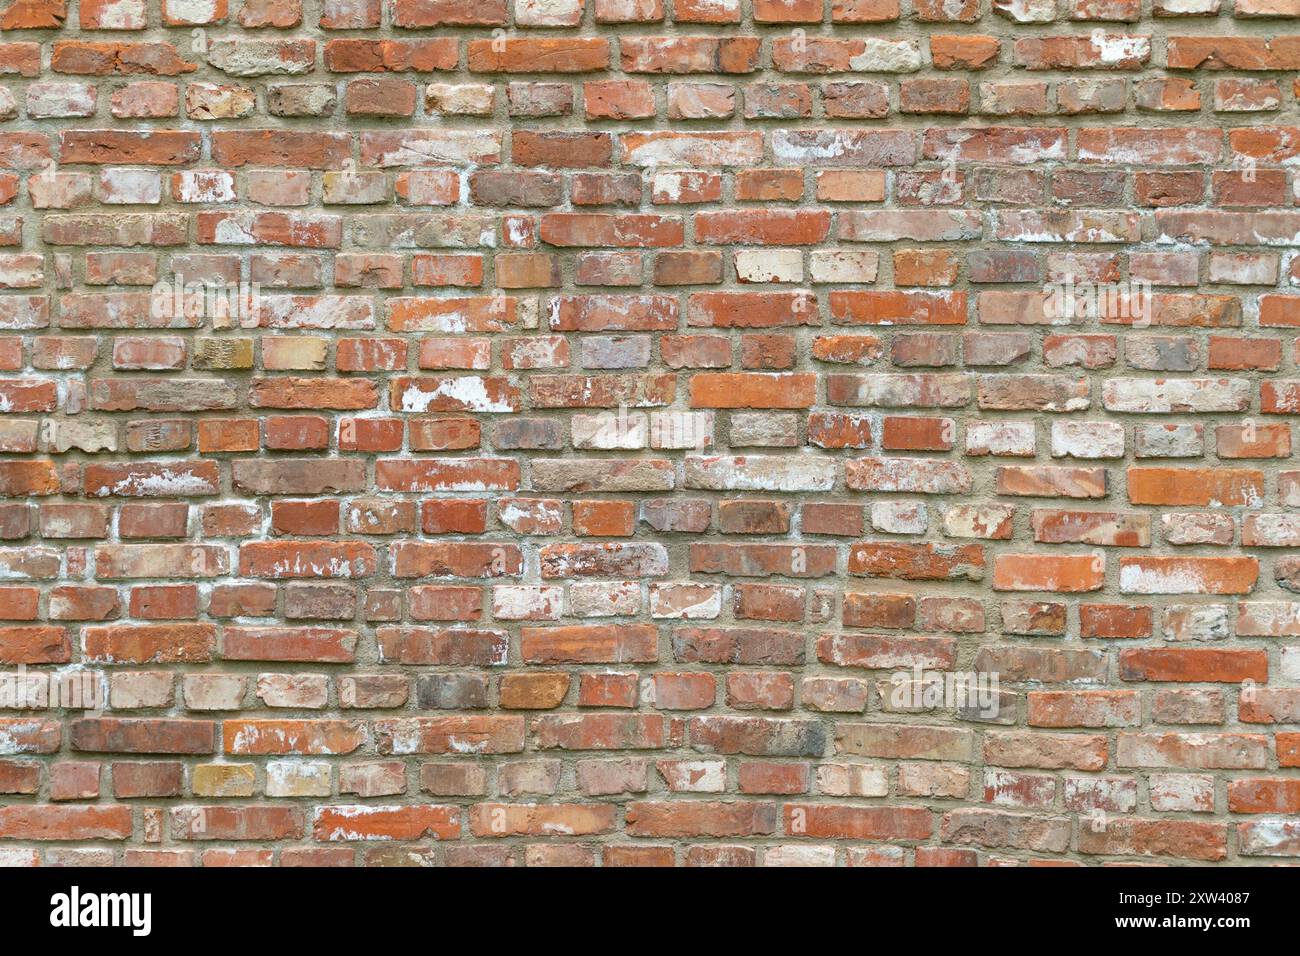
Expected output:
(631, 411)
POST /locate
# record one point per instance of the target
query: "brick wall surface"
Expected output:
(631, 407)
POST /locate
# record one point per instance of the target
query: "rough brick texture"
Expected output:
(626, 393)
